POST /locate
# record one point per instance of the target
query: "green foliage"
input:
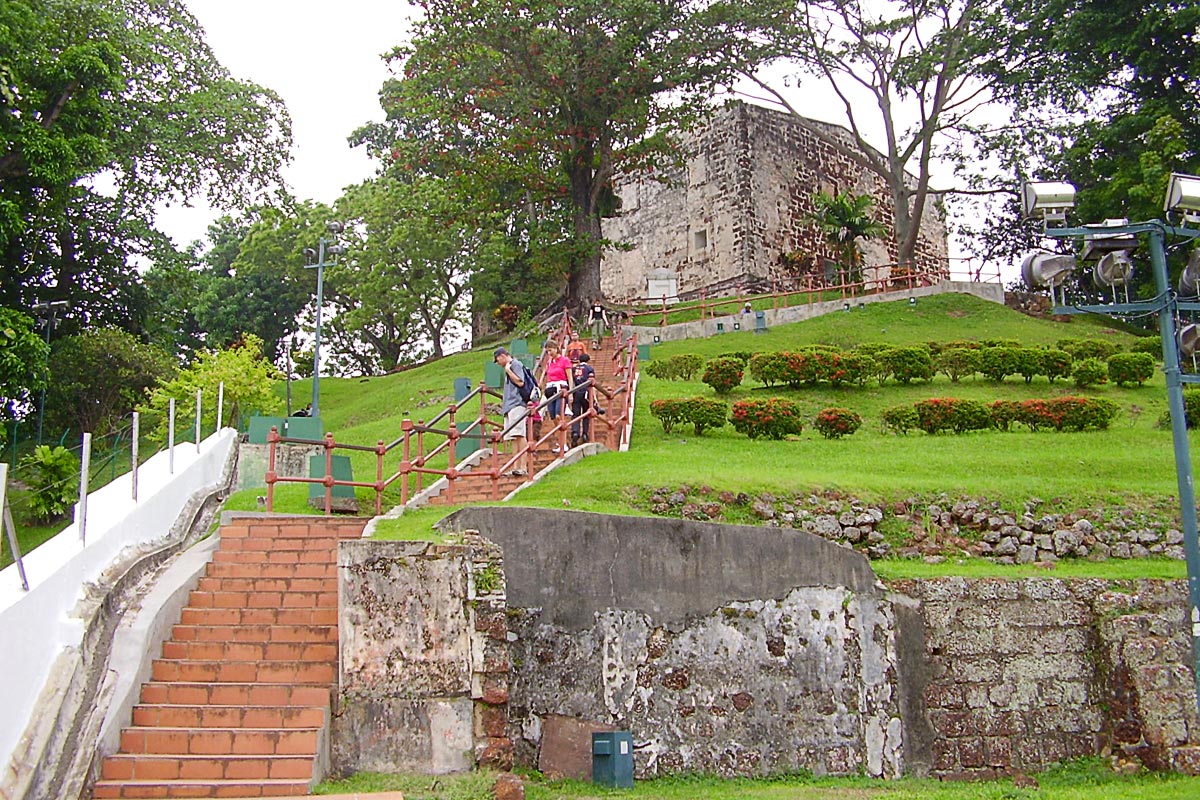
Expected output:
(772, 418)
(843, 219)
(900, 419)
(22, 361)
(1089, 372)
(670, 411)
(679, 367)
(1191, 407)
(246, 375)
(997, 363)
(1067, 413)
(723, 374)
(99, 376)
(52, 475)
(1088, 348)
(1148, 344)
(1130, 369)
(907, 364)
(1005, 413)
(834, 423)
(939, 414)
(958, 362)
(701, 412)
(1029, 363)
(1056, 364)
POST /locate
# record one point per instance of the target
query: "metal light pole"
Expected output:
(48, 315)
(1167, 306)
(326, 246)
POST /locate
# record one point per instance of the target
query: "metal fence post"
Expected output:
(197, 420)
(171, 437)
(220, 403)
(86, 465)
(133, 465)
(7, 522)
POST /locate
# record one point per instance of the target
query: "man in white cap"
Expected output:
(512, 406)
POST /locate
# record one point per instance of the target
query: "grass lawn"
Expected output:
(1089, 779)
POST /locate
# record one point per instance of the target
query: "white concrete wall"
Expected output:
(38, 625)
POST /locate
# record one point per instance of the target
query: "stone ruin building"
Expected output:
(733, 218)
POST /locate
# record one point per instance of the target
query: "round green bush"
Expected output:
(1148, 344)
(908, 364)
(901, 419)
(958, 362)
(1130, 369)
(1089, 372)
(772, 418)
(834, 423)
(997, 363)
(1056, 364)
(723, 374)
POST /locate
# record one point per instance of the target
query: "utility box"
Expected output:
(612, 759)
(760, 322)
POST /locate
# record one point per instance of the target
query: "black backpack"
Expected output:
(529, 392)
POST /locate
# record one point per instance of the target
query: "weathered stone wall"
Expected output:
(424, 658)
(743, 651)
(741, 201)
(1025, 673)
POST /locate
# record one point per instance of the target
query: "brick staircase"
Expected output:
(239, 702)
(480, 490)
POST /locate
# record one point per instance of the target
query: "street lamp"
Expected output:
(326, 246)
(1120, 236)
(47, 314)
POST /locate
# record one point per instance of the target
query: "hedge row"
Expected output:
(939, 414)
(771, 418)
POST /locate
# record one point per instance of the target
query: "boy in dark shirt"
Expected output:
(581, 371)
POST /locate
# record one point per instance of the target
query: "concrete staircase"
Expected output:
(239, 703)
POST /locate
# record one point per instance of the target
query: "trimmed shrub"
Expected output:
(1130, 369)
(1148, 344)
(1012, 343)
(902, 419)
(958, 362)
(1089, 372)
(1068, 413)
(741, 355)
(908, 364)
(854, 368)
(1005, 413)
(1087, 348)
(723, 374)
(772, 418)
(1028, 363)
(1191, 408)
(768, 369)
(939, 414)
(659, 369)
(701, 412)
(834, 423)
(686, 365)
(1056, 364)
(997, 363)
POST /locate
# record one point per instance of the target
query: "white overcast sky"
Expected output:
(323, 59)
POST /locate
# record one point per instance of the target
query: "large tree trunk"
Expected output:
(583, 283)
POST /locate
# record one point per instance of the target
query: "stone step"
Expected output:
(263, 584)
(241, 569)
(255, 633)
(252, 600)
(250, 651)
(321, 673)
(259, 616)
(227, 788)
(220, 741)
(279, 528)
(206, 716)
(235, 694)
(281, 557)
(264, 544)
(149, 767)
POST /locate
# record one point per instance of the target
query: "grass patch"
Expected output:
(1086, 779)
(1112, 569)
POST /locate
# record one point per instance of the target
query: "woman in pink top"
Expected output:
(556, 380)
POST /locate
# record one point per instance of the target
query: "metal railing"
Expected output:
(608, 423)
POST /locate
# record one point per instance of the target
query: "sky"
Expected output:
(323, 59)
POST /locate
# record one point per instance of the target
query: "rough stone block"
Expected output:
(566, 749)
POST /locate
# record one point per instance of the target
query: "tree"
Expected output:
(119, 92)
(561, 97)
(248, 378)
(22, 361)
(416, 244)
(99, 376)
(930, 60)
(844, 219)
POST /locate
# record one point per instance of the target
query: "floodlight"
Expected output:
(1189, 279)
(1049, 200)
(1095, 245)
(1183, 193)
(334, 227)
(1114, 269)
(1046, 269)
(1189, 340)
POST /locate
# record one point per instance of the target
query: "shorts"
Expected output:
(515, 420)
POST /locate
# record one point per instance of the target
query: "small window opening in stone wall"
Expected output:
(700, 240)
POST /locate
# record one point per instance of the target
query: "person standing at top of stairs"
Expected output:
(598, 322)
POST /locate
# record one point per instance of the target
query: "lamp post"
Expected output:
(1051, 201)
(326, 246)
(47, 314)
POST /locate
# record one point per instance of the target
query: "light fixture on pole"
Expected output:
(1120, 236)
(325, 246)
(47, 315)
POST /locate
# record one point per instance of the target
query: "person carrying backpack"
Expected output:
(519, 391)
(581, 371)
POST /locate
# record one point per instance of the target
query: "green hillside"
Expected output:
(1131, 464)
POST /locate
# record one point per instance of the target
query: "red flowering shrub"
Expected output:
(773, 418)
(834, 423)
(723, 374)
(952, 414)
(506, 316)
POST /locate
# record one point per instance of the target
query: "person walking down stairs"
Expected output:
(513, 406)
(581, 371)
